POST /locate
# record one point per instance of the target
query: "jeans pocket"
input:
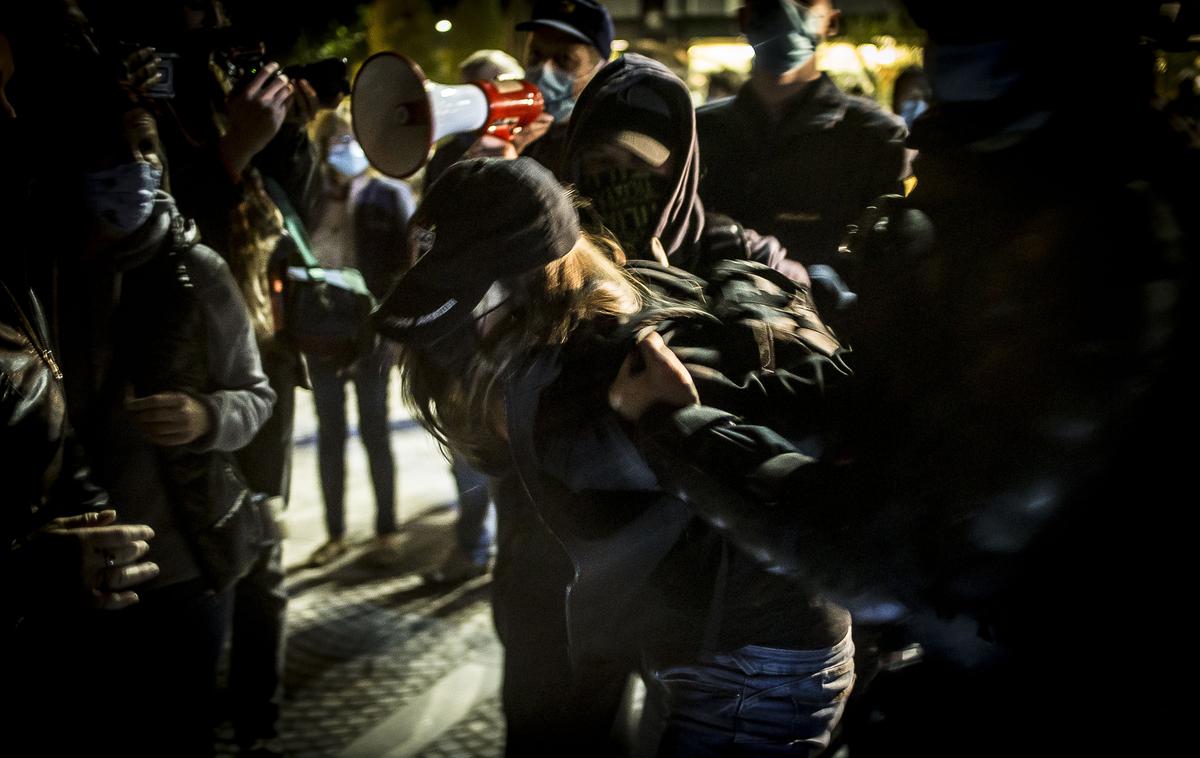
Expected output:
(830, 686)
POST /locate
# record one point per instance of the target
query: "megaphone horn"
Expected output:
(399, 114)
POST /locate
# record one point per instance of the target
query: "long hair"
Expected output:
(466, 413)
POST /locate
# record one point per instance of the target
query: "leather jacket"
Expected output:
(43, 470)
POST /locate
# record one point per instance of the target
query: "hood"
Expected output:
(615, 100)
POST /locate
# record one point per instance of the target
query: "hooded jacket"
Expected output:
(640, 94)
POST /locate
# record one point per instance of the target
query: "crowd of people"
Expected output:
(827, 460)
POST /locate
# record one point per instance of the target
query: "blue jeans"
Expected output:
(370, 377)
(754, 701)
(475, 530)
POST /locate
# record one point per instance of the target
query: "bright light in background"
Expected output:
(706, 58)
(443, 26)
(620, 45)
(839, 56)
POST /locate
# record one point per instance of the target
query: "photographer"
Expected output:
(233, 133)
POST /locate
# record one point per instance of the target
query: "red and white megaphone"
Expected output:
(398, 114)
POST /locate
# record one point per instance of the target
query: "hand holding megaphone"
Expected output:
(399, 115)
(489, 145)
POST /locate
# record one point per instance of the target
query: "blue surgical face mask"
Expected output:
(122, 198)
(557, 87)
(348, 158)
(783, 39)
(911, 108)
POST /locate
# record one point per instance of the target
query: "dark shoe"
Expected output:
(456, 569)
(328, 553)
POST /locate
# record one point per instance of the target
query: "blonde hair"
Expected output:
(255, 229)
(327, 123)
(466, 413)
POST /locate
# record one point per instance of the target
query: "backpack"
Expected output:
(325, 309)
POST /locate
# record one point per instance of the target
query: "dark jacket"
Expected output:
(646, 571)
(682, 221)
(1009, 458)
(179, 323)
(802, 179)
(381, 212)
(43, 467)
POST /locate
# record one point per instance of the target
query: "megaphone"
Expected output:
(398, 114)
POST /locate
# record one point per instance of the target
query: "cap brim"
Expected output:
(562, 26)
(414, 312)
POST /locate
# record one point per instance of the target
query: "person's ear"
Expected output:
(834, 26)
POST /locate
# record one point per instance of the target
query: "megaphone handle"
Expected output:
(503, 131)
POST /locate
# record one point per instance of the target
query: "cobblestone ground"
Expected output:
(366, 638)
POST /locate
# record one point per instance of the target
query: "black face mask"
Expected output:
(630, 202)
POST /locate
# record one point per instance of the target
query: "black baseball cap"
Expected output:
(585, 20)
(483, 220)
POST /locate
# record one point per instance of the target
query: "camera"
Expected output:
(164, 88)
(328, 78)
(240, 64)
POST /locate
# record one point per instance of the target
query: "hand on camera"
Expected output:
(256, 113)
(141, 69)
(304, 103)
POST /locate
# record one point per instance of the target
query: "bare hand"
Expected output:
(86, 561)
(488, 146)
(256, 113)
(532, 133)
(303, 106)
(141, 69)
(650, 376)
(170, 418)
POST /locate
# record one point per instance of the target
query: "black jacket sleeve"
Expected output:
(745, 480)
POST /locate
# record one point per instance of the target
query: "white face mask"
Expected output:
(347, 158)
(121, 198)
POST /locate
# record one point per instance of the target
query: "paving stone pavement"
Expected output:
(377, 663)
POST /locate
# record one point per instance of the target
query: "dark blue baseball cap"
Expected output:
(585, 20)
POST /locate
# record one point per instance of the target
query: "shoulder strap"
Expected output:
(292, 223)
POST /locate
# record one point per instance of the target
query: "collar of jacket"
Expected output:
(820, 105)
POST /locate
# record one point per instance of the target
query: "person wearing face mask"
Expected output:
(164, 383)
(569, 41)
(61, 552)
(631, 150)
(911, 94)
(791, 155)
(360, 222)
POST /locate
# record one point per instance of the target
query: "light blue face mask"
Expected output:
(347, 158)
(557, 87)
(782, 39)
(910, 109)
(122, 198)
